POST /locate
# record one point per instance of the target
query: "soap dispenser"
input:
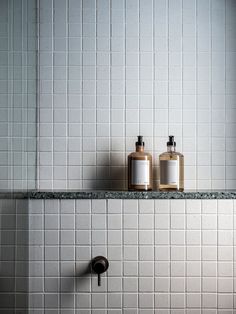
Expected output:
(171, 168)
(139, 168)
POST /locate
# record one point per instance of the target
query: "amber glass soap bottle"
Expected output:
(171, 168)
(139, 168)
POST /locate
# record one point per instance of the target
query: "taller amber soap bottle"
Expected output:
(140, 168)
(171, 168)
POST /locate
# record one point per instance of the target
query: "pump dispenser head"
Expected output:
(171, 141)
(140, 141)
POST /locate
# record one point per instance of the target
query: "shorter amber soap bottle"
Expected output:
(171, 168)
(140, 168)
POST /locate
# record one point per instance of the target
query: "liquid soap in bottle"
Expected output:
(139, 168)
(171, 168)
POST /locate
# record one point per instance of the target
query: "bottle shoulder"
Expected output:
(139, 154)
(167, 154)
(179, 154)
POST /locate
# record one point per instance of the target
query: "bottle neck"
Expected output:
(139, 148)
(170, 148)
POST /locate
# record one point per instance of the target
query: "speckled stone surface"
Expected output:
(130, 195)
(119, 195)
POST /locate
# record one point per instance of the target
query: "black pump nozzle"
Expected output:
(171, 141)
(140, 141)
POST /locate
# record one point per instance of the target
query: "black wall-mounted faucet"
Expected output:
(99, 265)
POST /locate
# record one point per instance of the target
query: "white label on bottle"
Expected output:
(140, 172)
(169, 172)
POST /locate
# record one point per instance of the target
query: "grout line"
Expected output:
(8, 102)
(125, 91)
(138, 262)
(211, 132)
(185, 252)
(201, 262)
(155, 304)
(110, 93)
(153, 152)
(37, 163)
(15, 256)
(168, 64)
(106, 274)
(91, 250)
(82, 93)
(59, 254)
(153, 95)
(139, 66)
(170, 260)
(22, 97)
(44, 261)
(126, 166)
(225, 109)
(75, 246)
(196, 94)
(122, 254)
(217, 261)
(53, 31)
(25, 142)
(234, 273)
(67, 94)
(96, 109)
(182, 76)
(10, 75)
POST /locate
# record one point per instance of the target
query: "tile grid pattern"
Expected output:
(112, 69)
(165, 255)
(18, 94)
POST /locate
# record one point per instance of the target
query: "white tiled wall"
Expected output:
(113, 69)
(165, 256)
(18, 44)
(14, 256)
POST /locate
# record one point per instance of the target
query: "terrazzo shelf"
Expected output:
(88, 194)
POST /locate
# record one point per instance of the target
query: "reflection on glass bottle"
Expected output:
(139, 168)
(171, 168)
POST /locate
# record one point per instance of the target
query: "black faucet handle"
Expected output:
(99, 265)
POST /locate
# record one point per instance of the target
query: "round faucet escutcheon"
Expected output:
(99, 265)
